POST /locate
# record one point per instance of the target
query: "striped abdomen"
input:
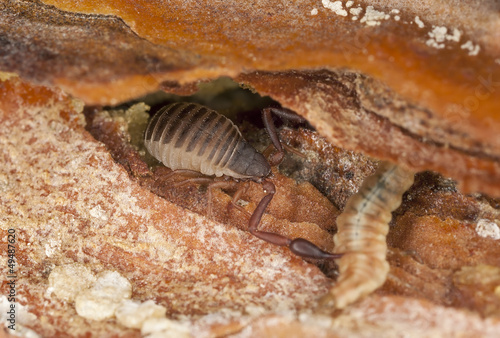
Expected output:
(362, 230)
(191, 136)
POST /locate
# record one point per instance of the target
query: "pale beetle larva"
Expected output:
(191, 137)
(361, 236)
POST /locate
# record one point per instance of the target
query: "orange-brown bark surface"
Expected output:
(439, 68)
(414, 83)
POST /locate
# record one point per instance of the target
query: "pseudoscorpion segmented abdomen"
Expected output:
(361, 236)
(190, 136)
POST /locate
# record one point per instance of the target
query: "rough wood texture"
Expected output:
(71, 203)
(410, 82)
(441, 59)
(345, 107)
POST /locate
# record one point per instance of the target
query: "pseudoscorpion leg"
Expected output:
(298, 246)
(287, 114)
(216, 185)
(236, 197)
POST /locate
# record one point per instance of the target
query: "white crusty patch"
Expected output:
(487, 228)
(473, 49)
(419, 22)
(52, 247)
(98, 212)
(164, 327)
(67, 164)
(438, 36)
(455, 36)
(335, 6)
(101, 300)
(373, 17)
(67, 281)
(103, 297)
(355, 12)
(134, 314)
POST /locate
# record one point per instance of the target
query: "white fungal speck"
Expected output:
(349, 4)
(455, 36)
(395, 11)
(373, 17)
(419, 22)
(355, 11)
(133, 314)
(397, 18)
(433, 43)
(68, 280)
(98, 212)
(487, 228)
(314, 11)
(52, 246)
(473, 49)
(437, 37)
(164, 327)
(335, 6)
(102, 299)
(438, 33)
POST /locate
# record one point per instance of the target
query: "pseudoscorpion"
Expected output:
(361, 236)
(188, 137)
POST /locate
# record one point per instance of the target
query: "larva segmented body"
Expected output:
(361, 236)
(194, 137)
